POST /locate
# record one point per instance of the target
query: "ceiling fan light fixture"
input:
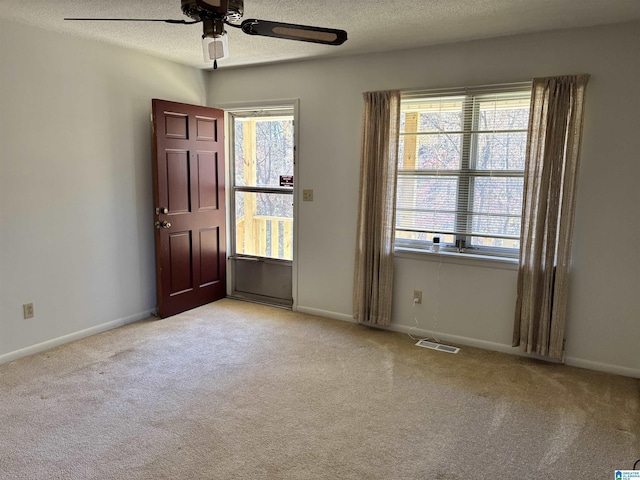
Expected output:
(215, 48)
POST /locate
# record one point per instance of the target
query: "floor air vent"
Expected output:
(437, 346)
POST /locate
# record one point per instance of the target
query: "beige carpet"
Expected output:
(239, 391)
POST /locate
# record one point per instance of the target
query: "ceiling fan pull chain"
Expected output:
(215, 64)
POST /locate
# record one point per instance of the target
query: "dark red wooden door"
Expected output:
(188, 171)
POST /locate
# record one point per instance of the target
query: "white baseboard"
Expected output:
(40, 347)
(603, 367)
(505, 348)
(484, 344)
(447, 338)
(325, 313)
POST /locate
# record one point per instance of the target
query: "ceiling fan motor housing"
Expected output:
(231, 10)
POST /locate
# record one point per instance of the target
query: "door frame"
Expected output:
(239, 108)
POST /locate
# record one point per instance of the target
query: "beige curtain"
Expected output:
(553, 155)
(373, 280)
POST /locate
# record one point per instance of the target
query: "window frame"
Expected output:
(471, 99)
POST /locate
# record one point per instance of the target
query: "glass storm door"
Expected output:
(262, 205)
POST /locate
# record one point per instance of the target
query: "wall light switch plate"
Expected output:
(417, 296)
(27, 309)
(307, 195)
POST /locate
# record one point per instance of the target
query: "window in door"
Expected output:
(263, 184)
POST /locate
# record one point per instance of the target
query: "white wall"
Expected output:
(76, 193)
(76, 235)
(472, 304)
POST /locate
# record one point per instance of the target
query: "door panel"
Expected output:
(209, 258)
(264, 280)
(176, 125)
(208, 181)
(189, 184)
(206, 129)
(181, 262)
(178, 182)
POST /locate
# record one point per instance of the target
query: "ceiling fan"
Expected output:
(215, 14)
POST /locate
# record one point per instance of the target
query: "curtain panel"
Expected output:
(551, 172)
(373, 278)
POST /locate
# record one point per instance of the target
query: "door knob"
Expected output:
(163, 224)
(164, 211)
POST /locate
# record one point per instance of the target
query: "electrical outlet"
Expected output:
(307, 195)
(27, 309)
(417, 296)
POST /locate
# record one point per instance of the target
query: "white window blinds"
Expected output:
(461, 166)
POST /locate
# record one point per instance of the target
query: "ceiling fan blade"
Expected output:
(290, 31)
(179, 22)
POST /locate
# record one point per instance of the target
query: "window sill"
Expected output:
(457, 258)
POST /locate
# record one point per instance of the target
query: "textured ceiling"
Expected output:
(372, 25)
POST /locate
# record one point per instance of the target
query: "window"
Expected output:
(263, 159)
(461, 169)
